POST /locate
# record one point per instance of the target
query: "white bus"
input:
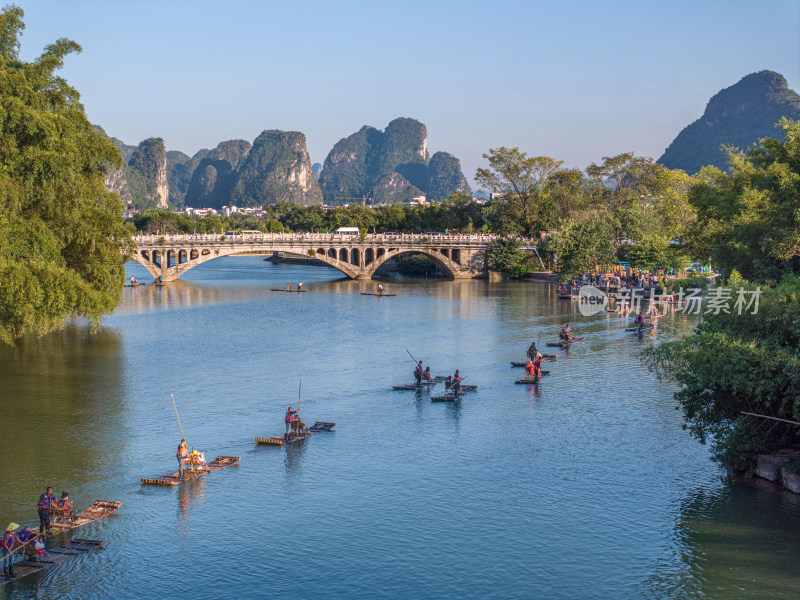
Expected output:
(347, 231)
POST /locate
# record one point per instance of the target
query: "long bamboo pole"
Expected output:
(183, 435)
(297, 428)
(771, 418)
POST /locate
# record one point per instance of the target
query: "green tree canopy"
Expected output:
(61, 232)
(749, 220)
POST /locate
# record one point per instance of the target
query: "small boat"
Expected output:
(282, 440)
(285, 290)
(221, 462)
(376, 294)
(568, 297)
(565, 344)
(132, 284)
(69, 550)
(98, 510)
(322, 426)
(640, 329)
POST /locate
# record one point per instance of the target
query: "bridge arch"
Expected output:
(445, 264)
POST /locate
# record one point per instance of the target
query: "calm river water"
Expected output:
(586, 487)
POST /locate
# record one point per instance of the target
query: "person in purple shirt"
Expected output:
(46, 502)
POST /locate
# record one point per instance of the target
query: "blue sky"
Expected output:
(572, 80)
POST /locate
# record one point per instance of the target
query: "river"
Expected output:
(583, 487)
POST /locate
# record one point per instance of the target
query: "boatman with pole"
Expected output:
(418, 374)
(290, 414)
(46, 502)
(7, 546)
(183, 456)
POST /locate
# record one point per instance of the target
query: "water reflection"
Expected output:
(741, 541)
(62, 404)
(292, 460)
(190, 495)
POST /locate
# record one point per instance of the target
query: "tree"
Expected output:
(63, 244)
(749, 220)
(580, 247)
(736, 363)
(507, 256)
(521, 182)
(625, 185)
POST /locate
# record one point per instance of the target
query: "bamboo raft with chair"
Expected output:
(376, 294)
(322, 426)
(639, 329)
(446, 398)
(67, 551)
(282, 440)
(98, 510)
(563, 344)
(545, 358)
(284, 290)
(193, 472)
(414, 386)
(532, 379)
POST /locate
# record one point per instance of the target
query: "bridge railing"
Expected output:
(323, 238)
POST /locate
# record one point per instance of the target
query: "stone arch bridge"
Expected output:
(458, 256)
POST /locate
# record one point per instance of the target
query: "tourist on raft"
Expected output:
(65, 510)
(426, 374)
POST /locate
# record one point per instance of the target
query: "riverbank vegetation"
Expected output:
(60, 230)
(745, 359)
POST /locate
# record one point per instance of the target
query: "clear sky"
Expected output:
(572, 80)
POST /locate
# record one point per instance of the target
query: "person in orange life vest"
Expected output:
(529, 369)
(537, 369)
(290, 414)
(456, 385)
(182, 454)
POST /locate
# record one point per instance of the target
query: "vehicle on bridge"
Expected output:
(348, 231)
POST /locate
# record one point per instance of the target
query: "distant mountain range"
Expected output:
(737, 116)
(390, 166)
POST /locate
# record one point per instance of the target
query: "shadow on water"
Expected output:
(61, 410)
(738, 541)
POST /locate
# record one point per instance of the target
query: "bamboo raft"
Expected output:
(98, 510)
(282, 290)
(132, 284)
(69, 550)
(414, 386)
(527, 380)
(545, 358)
(322, 426)
(221, 462)
(568, 297)
(280, 440)
(640, 329)
(446, 398)
(376, 294)
(565, 344)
